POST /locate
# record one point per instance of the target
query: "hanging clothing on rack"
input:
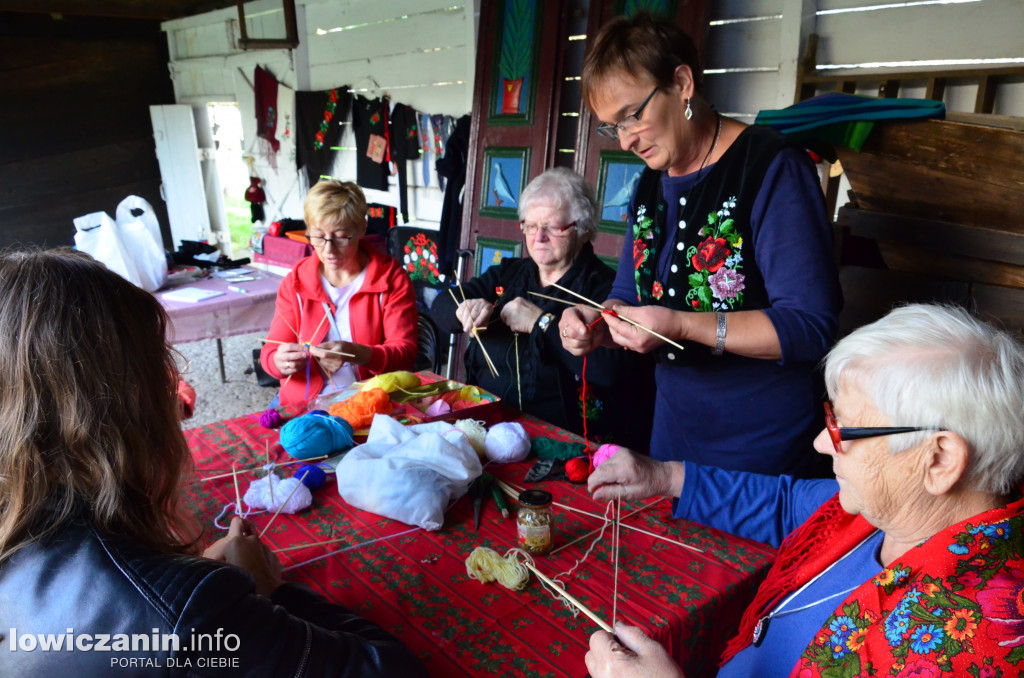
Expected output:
(318, 119)
(405, 146)
(370, 124)
(444, 126)
(425, 142)
(453, 167)
(265, 101)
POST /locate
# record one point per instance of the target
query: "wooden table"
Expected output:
(415, 584)
(226, 315)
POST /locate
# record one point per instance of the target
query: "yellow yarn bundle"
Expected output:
(477, 434)
(485, 565)
(393, 381)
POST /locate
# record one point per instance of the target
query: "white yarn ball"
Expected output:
(507, 442)
(259, 494)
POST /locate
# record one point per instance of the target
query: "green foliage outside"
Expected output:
(239, 224)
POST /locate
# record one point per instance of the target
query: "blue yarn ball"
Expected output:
(312, 476)
(306, 437)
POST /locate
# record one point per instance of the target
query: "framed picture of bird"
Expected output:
(505, 171)
(491, 251)
(617, 178)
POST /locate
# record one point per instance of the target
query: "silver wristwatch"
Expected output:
(544, 321)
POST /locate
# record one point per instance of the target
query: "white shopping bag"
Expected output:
(131, 246)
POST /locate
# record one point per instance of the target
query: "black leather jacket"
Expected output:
(92, 588)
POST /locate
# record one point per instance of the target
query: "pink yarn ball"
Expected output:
(271, 419)
(604, 453)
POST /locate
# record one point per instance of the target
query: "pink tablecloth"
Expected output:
(225, 315)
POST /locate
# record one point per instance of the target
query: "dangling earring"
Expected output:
(689, 111)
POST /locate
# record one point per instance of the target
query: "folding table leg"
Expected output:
(220, 360)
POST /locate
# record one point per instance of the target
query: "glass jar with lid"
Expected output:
(533, 521)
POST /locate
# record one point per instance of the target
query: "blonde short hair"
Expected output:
(333, 203)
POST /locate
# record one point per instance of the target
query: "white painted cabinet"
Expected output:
(183, 187)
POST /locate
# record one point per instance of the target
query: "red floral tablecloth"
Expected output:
(415, 585)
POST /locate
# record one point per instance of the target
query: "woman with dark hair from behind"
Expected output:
(94, 541)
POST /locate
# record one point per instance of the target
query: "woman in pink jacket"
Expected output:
(347, 299)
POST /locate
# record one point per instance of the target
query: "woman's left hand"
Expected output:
(327, 357)
(629, 654)
(662, 320)
(521, 315)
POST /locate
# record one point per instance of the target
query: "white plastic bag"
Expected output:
(131, 246)
(408, 473)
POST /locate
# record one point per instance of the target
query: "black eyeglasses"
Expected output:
(341, 242)
(838, 435)
(627, 124)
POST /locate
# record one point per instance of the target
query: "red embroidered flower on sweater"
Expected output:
(711, 255)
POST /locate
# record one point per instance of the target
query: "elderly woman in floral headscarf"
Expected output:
(915, 568)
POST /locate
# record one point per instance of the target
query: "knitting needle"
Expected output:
(315, 543)
(287, 499)
(487, 357)
(593, 532)
(565, 594)
(270, 485)
(561, 301)
(238, 496)
(615, 554)
(609, 311)
(257, 468)
(510, 490)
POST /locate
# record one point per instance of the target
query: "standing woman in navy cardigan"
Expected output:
(346, 298)
(728, 252)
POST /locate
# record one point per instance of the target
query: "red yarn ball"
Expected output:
(578, 469)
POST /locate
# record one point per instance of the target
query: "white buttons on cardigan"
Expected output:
(675, 269)
(682, 224)
(680, 246)
(671, 291)
(671, 356)
(682, 201)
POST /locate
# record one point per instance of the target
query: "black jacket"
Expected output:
(620, 384)
(93, 588)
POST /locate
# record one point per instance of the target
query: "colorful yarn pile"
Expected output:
(360, 408)
(392, 381)
(507, 442)
(271, 418)
(314, 435)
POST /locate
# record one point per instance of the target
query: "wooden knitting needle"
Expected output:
(609, 311)
(314, 543)
(238, 496)
(561, 301)
(487, 357)
(257, 468)
(270, 485)
(565, 594)
(593, 532)
(287, 499)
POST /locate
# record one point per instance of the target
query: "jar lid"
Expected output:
(534, 498)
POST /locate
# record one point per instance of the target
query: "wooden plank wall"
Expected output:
(421, 53)
(75, 134)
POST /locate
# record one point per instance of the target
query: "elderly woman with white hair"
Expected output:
(916, 566)
(557, 212)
